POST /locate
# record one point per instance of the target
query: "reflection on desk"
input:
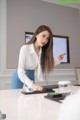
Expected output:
(70, 109)
(27, 107)
(18, 106)
(36, 107)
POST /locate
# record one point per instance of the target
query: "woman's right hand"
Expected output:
(37, 87)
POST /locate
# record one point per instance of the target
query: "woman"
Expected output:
(37, 55)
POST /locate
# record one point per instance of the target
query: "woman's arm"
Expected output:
(22, 66)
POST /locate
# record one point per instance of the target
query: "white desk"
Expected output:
(28, 107)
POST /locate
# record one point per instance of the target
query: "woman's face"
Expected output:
(42, 38)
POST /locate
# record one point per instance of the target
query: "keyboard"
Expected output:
(51, 86)
(44, 90)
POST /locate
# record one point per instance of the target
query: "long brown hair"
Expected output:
(47, 61)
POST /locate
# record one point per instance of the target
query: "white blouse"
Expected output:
(28, 59)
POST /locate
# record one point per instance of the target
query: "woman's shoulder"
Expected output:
(24, 46)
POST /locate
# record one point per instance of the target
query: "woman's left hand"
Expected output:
(60, 56)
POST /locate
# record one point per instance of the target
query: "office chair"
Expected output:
(16, 82)
(77, 74)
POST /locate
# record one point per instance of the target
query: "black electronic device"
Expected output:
(56, 96)
(44, 90)
(50, 86)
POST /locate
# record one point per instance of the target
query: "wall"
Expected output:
(3, 33)
(24, 15)
(0, 32)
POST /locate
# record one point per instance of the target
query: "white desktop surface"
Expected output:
(17, 106)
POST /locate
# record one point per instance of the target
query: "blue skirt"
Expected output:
(16, 82)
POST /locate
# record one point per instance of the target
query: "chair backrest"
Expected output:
(77, 73)
(16, 82)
